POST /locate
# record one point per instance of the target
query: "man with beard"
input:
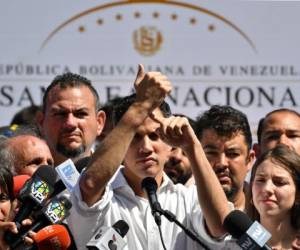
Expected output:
(225, 135)
(178, 167)
(70, 120)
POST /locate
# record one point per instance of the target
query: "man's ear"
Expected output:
(250, 159)
(256, 149)
(101, 118)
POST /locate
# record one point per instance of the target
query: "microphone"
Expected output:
(54, 212)
(33, 196)
(19, 181)
(79, 165)
(53, 237)
(250, 235)
(149, 185)
(109, 238)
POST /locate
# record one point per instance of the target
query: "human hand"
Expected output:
(175, 131)
(8, 225)
(29, 239)
(151, 87)
(12, 227)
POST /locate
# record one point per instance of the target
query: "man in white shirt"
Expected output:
(141, 141)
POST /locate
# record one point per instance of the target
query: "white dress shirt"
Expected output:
(120, 202)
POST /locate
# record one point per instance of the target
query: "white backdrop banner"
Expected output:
(240, 53)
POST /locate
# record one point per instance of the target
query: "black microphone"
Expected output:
(150, 186)
(33, 195)
(109, 238)
(251, 235)
(56, 210)
(80, 165)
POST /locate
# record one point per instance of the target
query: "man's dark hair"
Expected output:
(192, 122)
(261, 124)
(26, 116)
(124, 103)
(71, 80)
(225, 121)
(108, 109)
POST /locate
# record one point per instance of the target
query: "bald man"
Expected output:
(28, 152)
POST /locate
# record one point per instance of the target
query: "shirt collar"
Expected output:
(119, 180)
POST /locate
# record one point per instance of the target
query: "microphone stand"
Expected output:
(172, 218)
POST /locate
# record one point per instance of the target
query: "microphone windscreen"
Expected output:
(59, 186)
(237, 223)
(53, 237)
(19, 181)
(121, 227)
(149, 183)
(82, 163)
(47, 173)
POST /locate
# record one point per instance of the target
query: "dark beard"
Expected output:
(70, 153)
(184, 178)
(230, 194)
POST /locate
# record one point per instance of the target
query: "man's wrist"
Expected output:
(137, 113)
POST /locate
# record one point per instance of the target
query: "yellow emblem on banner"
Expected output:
(147, 40)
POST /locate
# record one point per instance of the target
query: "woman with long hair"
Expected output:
(7, 208)
(6, 205)
(275, 196)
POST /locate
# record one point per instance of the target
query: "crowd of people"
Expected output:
(200, 166)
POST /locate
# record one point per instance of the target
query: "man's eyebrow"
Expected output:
(234, 148)
(293, 130)
(82, 109)
(63, 109)
(57, 108)
(273, 131)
